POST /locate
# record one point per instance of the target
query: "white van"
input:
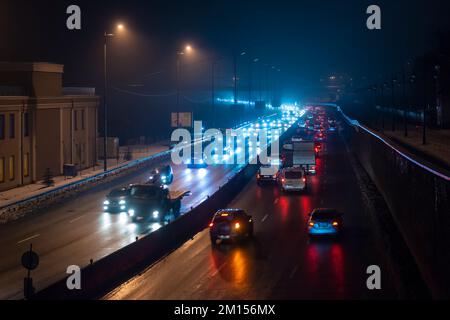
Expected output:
(292, 179)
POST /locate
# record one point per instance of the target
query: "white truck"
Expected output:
(300, 154)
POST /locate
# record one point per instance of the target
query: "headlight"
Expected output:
(155, 214)
(131, 212)
(122, 202)
(106, 202)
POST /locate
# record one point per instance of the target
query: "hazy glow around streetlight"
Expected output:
(188, 48)
(120, 27)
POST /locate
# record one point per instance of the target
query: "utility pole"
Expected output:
(405, 107)
(425, 102)
(393, 110)
(235, 78)
(105, 105)
(213, 105)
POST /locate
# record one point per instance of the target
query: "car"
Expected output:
(292, 179)
(296, 139)
(196, 163)
(153, 203)
(162, 175)
(267, 173)
(325, 221)
(116, 200)
(320, 136)
(230, 224)
(317, 148)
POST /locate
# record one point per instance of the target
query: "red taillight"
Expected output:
(237, 225)
(211, 225)
(304, 179)
(335, 224)
(258, 175)
(282, 180)
(317, 149)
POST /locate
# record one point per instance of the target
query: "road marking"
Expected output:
(293, 272)
(276, 201)
(76, 219)
(264, 218)
(218, 269)
(29, 238)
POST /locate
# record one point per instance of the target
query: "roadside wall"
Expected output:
(418, 198)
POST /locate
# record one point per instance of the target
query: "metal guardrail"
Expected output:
(85, 180)
(357, 124)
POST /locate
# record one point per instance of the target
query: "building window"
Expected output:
(12, 126)
(2, 169)
(11, 168)
(82, 119)
(26, 164)
(75, 120)
(2, 126)
(26, 124)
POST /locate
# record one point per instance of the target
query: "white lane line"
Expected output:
(218, 270)
(76, 219)
(29, 238)
(293, 272)
(276, 201)
(264, 218)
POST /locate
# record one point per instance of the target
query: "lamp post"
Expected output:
(213, 104)
(393, 82)
(405, 107)
(187, 49)
(425, 102)
(106, 35)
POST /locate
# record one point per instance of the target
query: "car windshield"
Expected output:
(146, 192)
(118, 193)
(293, 174)
(325, 214)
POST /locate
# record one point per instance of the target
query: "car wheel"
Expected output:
(213, 241)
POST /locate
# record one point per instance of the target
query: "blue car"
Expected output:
(196, 163)
(325, 221)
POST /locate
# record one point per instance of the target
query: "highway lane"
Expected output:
(78, 230)
(280, 262)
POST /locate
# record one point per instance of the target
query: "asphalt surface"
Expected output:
(79, 230)
(281, 262)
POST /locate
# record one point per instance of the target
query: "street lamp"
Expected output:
(393, 110)
(187, 50)
(119, 27)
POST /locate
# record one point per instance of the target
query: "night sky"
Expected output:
(306, 40)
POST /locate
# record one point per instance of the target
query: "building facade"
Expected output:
(43, 125)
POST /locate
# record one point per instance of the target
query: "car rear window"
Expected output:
(228, 216)
(118, 193)
(325, 215)
(293, 175)
(147, 192)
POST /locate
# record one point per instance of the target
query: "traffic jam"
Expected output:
(290, 174)
(152, 201)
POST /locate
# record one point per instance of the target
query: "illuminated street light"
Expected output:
(187, 50)
(119, 27)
